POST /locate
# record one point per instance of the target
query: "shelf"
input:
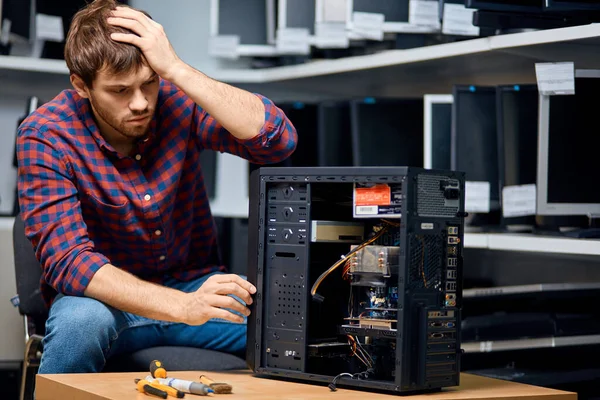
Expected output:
(532, 243)
(493, 60)
(33, 65)
(528, 344)
(505, 59)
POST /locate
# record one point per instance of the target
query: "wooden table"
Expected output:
(120, 386)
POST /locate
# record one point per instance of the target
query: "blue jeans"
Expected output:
(82, 333)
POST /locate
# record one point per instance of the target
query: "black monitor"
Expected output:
(571, 5)
(297, 14)
(396, 11)
(568, 150)
(208, 163)
(506, 5)
(21, 16)
(474, 140)
(517, 127)
(437, 131)
(387, 132)
(334, 134)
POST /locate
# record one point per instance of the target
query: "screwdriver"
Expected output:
(170, 391)
(143, 386)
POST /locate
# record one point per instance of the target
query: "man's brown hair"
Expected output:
(89, 47)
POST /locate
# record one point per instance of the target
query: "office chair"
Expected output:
(28, 272)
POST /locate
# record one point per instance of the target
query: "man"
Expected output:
(113, 200)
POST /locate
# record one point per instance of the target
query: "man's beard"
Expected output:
(125, 129)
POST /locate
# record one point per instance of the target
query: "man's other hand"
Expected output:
(212, 300)
(149, 36)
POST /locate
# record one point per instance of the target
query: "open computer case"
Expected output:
(359, 276)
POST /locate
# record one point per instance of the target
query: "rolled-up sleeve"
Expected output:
(275, 141)
(51, 211)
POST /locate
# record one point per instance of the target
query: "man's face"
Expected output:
(125, 102)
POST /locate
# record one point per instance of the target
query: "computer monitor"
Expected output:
(296, 14)
(252, 20)
(20, 15)
(334, 134)
(571, 5)
(397, 15)
(474, 144)
(387, 132)
(208, 163)
(568, 150)
(437, 131)
(527, 6)
(517, 127)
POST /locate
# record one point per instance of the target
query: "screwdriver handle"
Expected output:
(157, 369)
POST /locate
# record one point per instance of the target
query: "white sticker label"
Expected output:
(458, 20)
(368, 25)
(555, 78)
(330, 35)
(49, 27)
(293, 41)
(485, 347)
(335, 10)
(224, 46)
(477, 197)
(424, 13)
(366, 210)
(519, 201)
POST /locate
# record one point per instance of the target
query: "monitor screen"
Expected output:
(208, 163)
(506, 5)
(394, 11)
(572, 5)
(517, 134)
(335, 135)
(300, 14)
(437, 131)
(247, 19)
(387, 132)
(573, 145)
(474, 139)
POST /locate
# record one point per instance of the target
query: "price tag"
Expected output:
(425, 13)
(555, 78)
(477, 197)
(458, 20)
(368, 25)
(293, 41)
(49, 27)
(486, 347)
(335, 10)
(224, 46)
(330, 35)
(519, 201)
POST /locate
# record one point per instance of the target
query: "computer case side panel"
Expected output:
(256, 237)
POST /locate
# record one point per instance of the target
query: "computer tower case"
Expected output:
(359, 276)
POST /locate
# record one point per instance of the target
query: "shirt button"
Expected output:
(162, 258)
(138, 157)
(147, 197)
(157, 232)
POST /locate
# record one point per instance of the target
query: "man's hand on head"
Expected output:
(212, 300)
(149, 36)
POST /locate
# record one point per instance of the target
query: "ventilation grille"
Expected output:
(289, 299)
(430, 198)
(426, 261)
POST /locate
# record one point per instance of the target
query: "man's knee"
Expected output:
(81, 319)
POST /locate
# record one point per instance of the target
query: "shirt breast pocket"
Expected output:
(115, 216)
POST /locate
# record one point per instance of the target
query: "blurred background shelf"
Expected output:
(532, 243)
(496, 60)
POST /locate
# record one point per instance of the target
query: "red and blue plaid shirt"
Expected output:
(85, 205)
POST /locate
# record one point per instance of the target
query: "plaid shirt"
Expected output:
(84, 205)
